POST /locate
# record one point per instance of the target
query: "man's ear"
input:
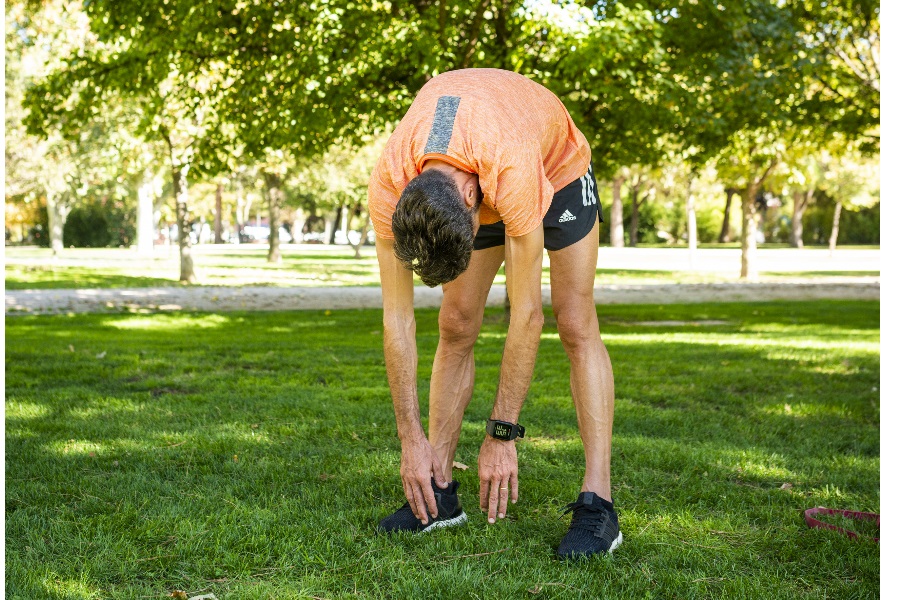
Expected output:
(470, 192)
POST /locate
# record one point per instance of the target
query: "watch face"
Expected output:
(502, 431)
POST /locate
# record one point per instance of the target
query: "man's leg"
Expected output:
(572, 272)
(453, 374)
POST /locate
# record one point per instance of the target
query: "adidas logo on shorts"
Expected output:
(567, 216)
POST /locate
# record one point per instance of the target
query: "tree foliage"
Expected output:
(297, 92)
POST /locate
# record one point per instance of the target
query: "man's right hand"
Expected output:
(418, 464)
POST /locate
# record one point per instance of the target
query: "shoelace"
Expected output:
(587, 517)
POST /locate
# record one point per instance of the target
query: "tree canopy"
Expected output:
(227, 85)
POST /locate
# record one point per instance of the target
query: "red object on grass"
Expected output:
(850, 514)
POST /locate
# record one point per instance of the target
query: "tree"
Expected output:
(338, 179)
(43, 167)
(850, 180)
(214, 79)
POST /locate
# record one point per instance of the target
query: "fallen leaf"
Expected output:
(786, 486)
(204, 597)
(535, 590)
(234, 458)
(179, 595)
(92, 454)
(354, 435)
(102, 354)
(71, 348)
(325, 476)
(460, 466)
(254, 426)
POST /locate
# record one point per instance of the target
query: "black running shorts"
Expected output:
(571, 216)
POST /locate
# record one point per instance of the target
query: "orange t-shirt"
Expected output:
(514, 133)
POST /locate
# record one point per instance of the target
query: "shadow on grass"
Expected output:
(246, 451)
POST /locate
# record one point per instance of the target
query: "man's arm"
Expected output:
(497, 461)
(418, 463)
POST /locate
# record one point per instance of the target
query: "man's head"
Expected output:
(434, 224)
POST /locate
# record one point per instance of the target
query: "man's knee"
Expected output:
(577, 326)
(458, 327)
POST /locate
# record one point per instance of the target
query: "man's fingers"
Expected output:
(504, 496)
(514, 488)
(430, 502)
(421, 509)
(493, 499)
(411, 498)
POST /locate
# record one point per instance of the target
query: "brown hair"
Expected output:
(433, 232)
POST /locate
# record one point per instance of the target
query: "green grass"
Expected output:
(250, 455)
(32, 268)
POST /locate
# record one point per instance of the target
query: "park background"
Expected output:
(222, 145)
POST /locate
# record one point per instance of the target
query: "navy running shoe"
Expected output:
(450, 513)
(594, 528)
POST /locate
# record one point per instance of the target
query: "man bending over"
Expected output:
(487, 166)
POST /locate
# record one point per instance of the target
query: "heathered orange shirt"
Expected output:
(514, 133)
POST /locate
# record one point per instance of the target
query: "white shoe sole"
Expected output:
(458, 520)
(616, 543)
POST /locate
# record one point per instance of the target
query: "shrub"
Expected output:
(99, 224)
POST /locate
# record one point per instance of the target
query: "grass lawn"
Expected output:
(251, 455)
(33, 268)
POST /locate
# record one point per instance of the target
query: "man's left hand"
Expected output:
(498, 470)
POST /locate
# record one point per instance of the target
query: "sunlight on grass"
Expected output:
(570, 443)
(26, 410)
(801, 410)
(765, 469)
(750, 340)
(58, 587)
(75, 447)
(185, 321)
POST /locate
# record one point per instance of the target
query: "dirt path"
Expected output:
(271, 298)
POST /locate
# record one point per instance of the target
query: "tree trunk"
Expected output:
(835, 227)
(357, 249)
(801, 203)
(239, 210)
(616, 227)
(273, 195)
(331, 226)
(633, 231)
(691, 217)
(298, 225)
(145, 222)
(218, 221)
(725, 234)
(328, 235)
(748, 233)
(345, 223)
(56, 215)
(180, 188)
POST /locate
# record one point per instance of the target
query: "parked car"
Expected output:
(259, 234)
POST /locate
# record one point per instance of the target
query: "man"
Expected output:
(488, 166)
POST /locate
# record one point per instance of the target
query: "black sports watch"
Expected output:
(503, 430)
